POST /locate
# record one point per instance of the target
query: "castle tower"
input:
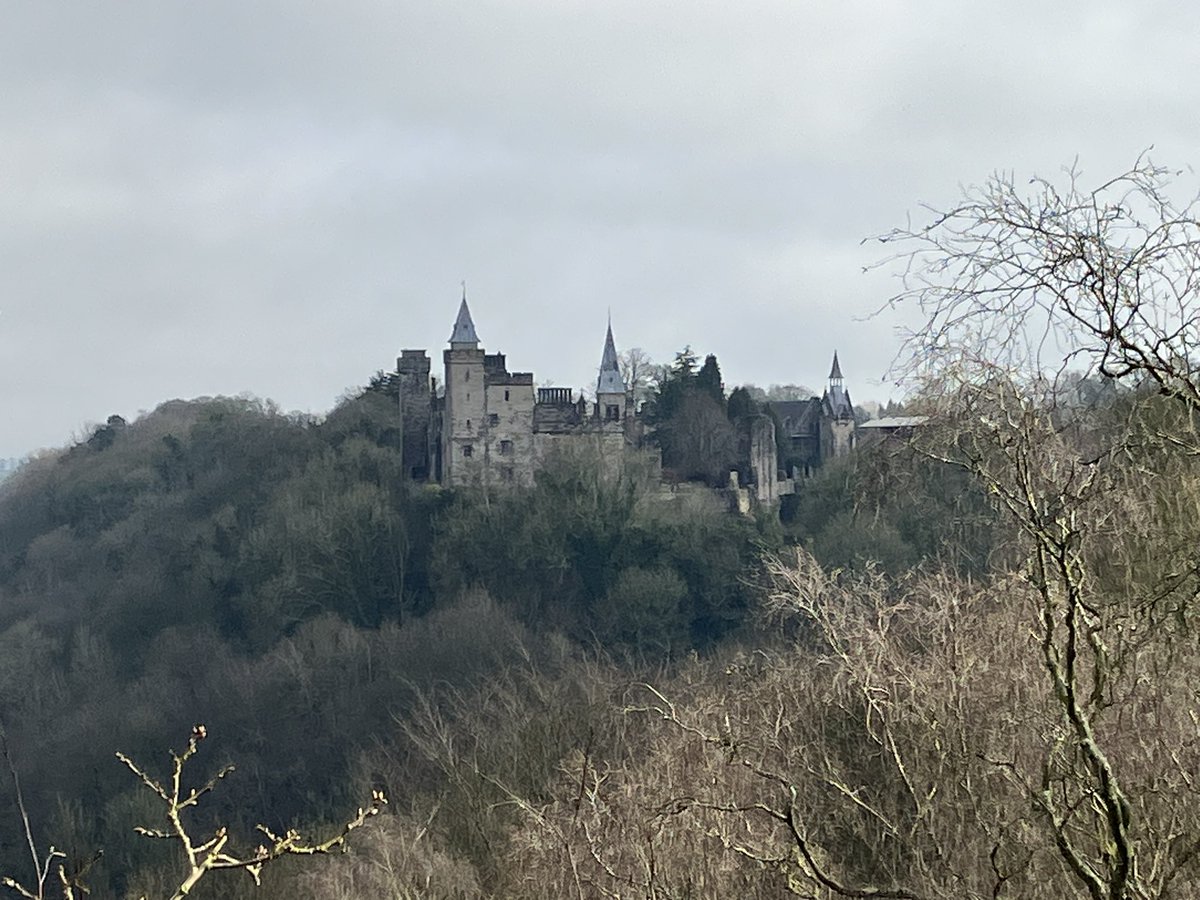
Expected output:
(463, 418)
(611, 396)
(838, 412)
(416, 412)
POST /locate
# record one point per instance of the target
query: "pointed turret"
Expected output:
(464, 403)
(838, 398)
(610, 368)
(463, 337)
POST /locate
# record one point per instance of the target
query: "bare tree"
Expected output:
(202, 854)
(1035, 278)
(638, 372)
(1033, 733)
(788, 392)
(1025, 293)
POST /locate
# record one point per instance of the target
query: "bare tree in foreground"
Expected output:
(1024, 294)
(1035, 734)
(1030, 280)
(202, 854)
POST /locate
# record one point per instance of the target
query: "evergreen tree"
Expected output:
(708, 379)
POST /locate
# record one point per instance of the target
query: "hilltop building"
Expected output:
(492, 426)
(818, 429)
(489, 426)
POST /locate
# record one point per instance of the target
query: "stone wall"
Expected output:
(509, 440)
(464, 419)
(412, 369)
(763, 459)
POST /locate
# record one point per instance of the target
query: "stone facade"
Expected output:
(763, 461)
(416, 412)
(490, 426)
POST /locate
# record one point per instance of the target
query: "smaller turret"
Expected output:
(838, 430)
(837, 395)
(464, 406)
(610, 387)
(463, 336)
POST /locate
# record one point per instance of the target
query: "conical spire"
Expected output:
(463, 337)
(835, 374)
(610, 368)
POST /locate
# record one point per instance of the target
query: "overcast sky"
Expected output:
(202, 198)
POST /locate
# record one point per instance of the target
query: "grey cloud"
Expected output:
(222, 197)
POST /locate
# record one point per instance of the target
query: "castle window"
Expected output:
(506, 396)
(467, 375)
(468, 450)
(612, 412)
(493, 419)
(505, 448)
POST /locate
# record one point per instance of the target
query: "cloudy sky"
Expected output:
(202, 198)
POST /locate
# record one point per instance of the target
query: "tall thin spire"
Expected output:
(463, 337)
(835, 374)
(839, 400)
(610, 367)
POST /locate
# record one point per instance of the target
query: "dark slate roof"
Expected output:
(464, 328)
(610, 368)
(838, 401)
(836, 371)
(798, 417)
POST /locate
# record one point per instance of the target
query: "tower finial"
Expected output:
(463, 336)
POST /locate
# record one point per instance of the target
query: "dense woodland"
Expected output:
(962, 665)
(275, 578)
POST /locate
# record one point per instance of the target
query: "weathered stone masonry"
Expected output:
(489, 426)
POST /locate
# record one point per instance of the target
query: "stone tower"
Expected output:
(611, 398)
(838, 439)
(463, 417)
(416, 412)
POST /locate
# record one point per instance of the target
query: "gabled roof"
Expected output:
(610, 381)
(798, 417)
(837, 398)
(463, 336)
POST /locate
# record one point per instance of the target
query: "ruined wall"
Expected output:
(593, 446)
(416, 413)
(842, 433)
(764, 462)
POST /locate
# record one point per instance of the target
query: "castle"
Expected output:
(491, 426)
(488, 426)
(819, 428)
